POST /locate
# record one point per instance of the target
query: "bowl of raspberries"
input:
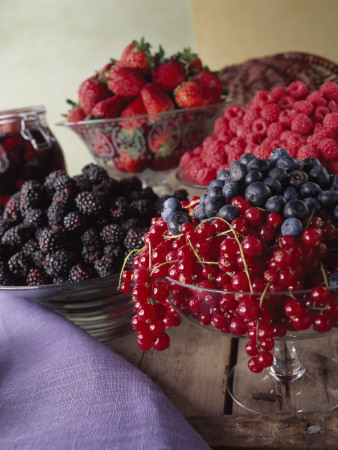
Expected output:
(140, 113)
(303, 121)
(63, 242)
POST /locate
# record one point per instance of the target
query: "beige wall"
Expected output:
(232, 31)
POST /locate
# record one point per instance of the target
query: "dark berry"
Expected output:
(35, 218)
(274, 185)
(112, 234)
(252, 176)
(19, 264)
(246, 158)
(199, 213)
(278, 153)
(223, 175)
(292, 227)
(228, 212)
(169, 207)
(286, 163)
(262, 165)
(80, 272)
(310, 189)
(328, 199)
(298, 178)
(176, 220)
(310, 162)
(238, 173)
(96, 174)
(313, 204)
(74, 221)
(297, 209)
(37, 277)
(275, 204)
(91, 252)
(231, 189)
(12, 211)
(291, 193)
(320, 175)
(89, 203)
(257, 193)
(91, 237)
(278, 173)
(51, 240)
(59, 262)
(134, 239)
(105, 266)
(212, 206)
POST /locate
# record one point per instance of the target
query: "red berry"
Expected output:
(162, 342)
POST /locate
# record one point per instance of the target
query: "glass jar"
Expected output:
(28, 149)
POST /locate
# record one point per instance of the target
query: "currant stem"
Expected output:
(322, 269)
(135, 250)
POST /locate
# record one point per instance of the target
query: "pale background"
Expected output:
(49, 46)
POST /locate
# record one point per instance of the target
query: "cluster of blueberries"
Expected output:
(281, 184)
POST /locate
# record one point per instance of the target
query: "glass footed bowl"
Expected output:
(95, 305)
(149, 145)
(297, 381)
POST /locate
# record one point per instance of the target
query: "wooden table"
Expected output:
(193, 375)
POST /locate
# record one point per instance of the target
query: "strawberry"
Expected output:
(102, 145)
(135, 108)
(210, 81)
(132, 150)
(163, 140)
(134, 164)
(171, 162)
(168, 75)
(125, 81)
(90, 92)
(76, 115)
(191, 94)
(104, 71)
(109, 108)
(191, 61)
(136, 56)
(155, 99)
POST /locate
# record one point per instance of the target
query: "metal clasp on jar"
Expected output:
(29, 133)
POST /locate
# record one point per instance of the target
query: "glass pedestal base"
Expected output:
(315, 388)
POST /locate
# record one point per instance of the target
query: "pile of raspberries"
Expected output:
(68, 229)
(305, 122)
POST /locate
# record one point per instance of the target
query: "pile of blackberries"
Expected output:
(68, 229)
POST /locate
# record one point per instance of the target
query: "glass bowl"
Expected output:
(299, 372)
(150, 145)
(95, 305)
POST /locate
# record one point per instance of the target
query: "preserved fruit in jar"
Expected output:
(28, 149)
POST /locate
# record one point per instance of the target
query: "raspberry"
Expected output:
(270, 112)
(234, 124)
(262, 151)
(254, 139)
(186, 159)
(307, 151)
(333, 106)
(301, 124)
(298, 90)
(316, 98)
(329, 149)
(286, 116)
(193, 170)
(330, 121)
(286, 102)
(303, 106)
(260, 126)
(233, 111)
(221, 125)
(333, 166)
(274, 130)
(294, 142)
(250, 116)
(277, 93)
(320, 113)
(262, 98)
(329, 90)
(197, 151)
(206, 175)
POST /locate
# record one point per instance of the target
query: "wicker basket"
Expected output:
(242, 81)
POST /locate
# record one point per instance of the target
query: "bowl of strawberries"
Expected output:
(140, 113)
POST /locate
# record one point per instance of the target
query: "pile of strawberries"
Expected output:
(304, 122)
(143, 82)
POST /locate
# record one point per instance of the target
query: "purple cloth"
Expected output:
(62, 389)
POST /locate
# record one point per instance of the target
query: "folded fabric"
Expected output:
(62, 389)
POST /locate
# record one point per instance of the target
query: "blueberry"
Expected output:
(313, 204)
(228, 212)
(328, 199)
(202, 199)
(238, 173)
(278, 173)
(297, 178)
(274, 185)
(335, 213)
(320, 176)
(215, 192)
(262, 165)
(177, 219)
(198, 213)
(246, 157)
(287, 163)
(291, 193)
(298, 163)
(334, 182)
(170, 206)
(234, 164)
(275, 204)
(253, 175)
(257, 193)
(278, 153)
(223, 175)
(216, 183)
(310, 189)
(333, 281)
(231, 189)
(212, 206)
(292, 227)
(310, 162)
(296, 208)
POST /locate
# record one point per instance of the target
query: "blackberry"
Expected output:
(14, 237)
(143, 208)
(91, 237)
(56, 212)
(60, 279)
(35, 218)
(134, 222)
(105, 266)
(80, 272)
(116, 251)
(119, 203)
(95, 173)
(107, 188)
(30, 247)
(6, 278)
(127, 185)
(91, 253)
(59, 262)
(4, 226)
(134, 239)
(63, 182)
(38, 258)
(12, 211)
(82, 183)
(74, 221)
(49, 181)
(51, 241)
(37, 277)
(31, 196)
(19, 264)
(112, 234)
(181, 195)
(120, 215)
(89, 203)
